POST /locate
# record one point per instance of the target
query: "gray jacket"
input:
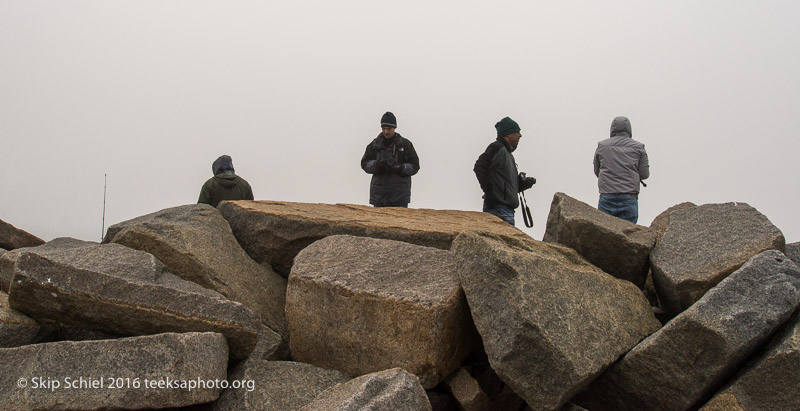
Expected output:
(620, 162)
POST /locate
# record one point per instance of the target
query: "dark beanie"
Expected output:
(506, 126)
(388, 120)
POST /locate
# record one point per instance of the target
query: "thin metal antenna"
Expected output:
(103, 229)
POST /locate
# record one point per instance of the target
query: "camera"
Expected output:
(526, 182)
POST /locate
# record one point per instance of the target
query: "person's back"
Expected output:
(620, 164)
(225, 185)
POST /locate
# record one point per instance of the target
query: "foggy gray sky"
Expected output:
(151, 92)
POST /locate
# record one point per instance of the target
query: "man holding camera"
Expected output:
(620, 164)
(497, 172)
(392, 160)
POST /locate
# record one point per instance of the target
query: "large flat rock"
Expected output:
(274, 232)
(16, 329)
(702, 245)
(276, 385)
(115, 289)
(361, 305)
(685, 362)
(616, 246)
(769, 382)
(550, 321)
(196, 244)
(12, 237)
(393, 389)
(114, 374)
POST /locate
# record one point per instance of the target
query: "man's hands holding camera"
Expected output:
(389, 165)
(525, 182)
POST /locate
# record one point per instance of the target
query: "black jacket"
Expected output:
(497, 174)
(391, 162)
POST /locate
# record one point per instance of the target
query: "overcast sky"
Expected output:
(151, 92)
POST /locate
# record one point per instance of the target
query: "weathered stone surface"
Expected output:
(277, 385)
(616, 246)
(274, 232)
(12, 237)
(769, 382)
(793, 252)
(466, 391)
(196, 244)
(549, 320)
(116, 289)
(661, 222)
(393, 389)
(116, 364)
(695, 353)
(360, 305)
(16, 329)
(270, 346)
(7, 261)
(703, 245)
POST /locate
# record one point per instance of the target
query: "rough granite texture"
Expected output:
(542, 304)
(16, 329)
(614, 245)
(661, 222)
(793, 252)
(12, 237)
(277, 385)
(274, 232)
(195, 243)
(118, 290)
(104, 374)
(771, 381)
(361, 305)
(705, 244)
(393, 389)
(692, 356)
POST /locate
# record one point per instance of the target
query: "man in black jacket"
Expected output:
(392, 160)
(497, 172)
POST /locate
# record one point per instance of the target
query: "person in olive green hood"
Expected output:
(225, 185)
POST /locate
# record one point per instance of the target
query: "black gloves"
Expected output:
(525, 182)
(388, 165)
(380, 166)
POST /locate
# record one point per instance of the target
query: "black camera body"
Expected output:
(526, 182)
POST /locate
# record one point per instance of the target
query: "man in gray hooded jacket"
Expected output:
(225, 185)
(620, 164)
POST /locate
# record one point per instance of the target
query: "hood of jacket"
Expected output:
(621, 126)
(227, 179)
(221, 164)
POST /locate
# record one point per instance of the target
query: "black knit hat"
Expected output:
(388, 120)
(506, 126)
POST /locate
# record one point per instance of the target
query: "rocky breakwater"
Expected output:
(403, 309)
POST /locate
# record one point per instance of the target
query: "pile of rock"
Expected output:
(274, 305)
